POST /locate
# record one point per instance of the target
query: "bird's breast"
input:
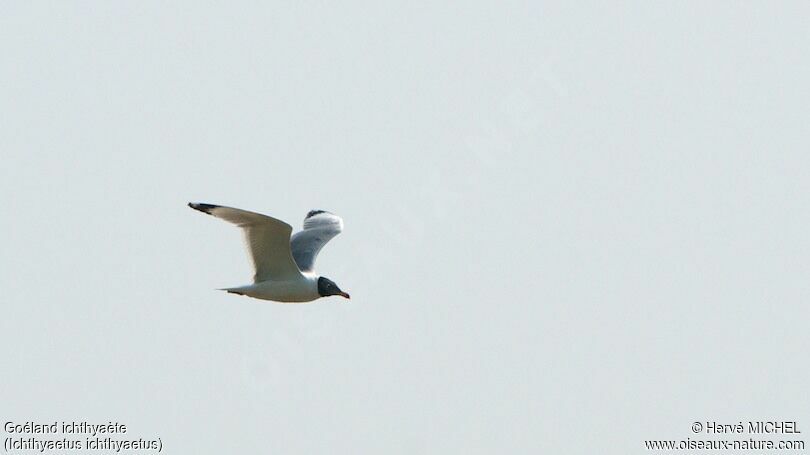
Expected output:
(302, 290)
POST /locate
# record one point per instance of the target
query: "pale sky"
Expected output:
(568, 228)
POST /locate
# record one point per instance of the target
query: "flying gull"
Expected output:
(284, 265)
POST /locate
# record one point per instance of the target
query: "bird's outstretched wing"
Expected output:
(319, 227)
(268, 241)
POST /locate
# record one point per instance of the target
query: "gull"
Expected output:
(284, 264)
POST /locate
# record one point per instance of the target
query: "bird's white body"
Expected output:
(304, 289)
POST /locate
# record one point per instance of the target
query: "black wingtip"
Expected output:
(205, 208)
(314, 212)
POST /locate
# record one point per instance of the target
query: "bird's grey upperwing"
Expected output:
(268, 241)
(319, 227)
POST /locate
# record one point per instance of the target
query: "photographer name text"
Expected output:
(750, 427)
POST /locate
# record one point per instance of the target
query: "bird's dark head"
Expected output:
(327, 287)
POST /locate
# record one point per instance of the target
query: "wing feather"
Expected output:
(319, 228)
(267, 238)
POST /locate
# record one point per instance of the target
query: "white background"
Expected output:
(568, 228)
